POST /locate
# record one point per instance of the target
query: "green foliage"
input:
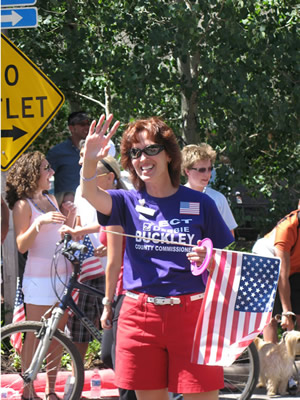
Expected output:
(92, 355)
(225, 72)
(66, 362)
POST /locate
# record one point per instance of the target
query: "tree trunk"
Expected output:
(188, 71)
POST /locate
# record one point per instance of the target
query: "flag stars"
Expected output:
(258, 277)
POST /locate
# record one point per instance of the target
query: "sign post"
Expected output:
(29, 101)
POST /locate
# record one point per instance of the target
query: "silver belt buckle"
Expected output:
(159, 301)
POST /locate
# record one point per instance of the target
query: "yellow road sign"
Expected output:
(29, 100)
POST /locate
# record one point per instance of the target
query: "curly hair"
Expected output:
(196, 152)
(23, 176)
(160, 133)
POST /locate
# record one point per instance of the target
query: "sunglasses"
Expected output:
(151, 150)
(202, 170)
(105, 173)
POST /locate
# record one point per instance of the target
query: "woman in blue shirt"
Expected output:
(165, 220)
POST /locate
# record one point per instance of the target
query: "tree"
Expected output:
(218, 71)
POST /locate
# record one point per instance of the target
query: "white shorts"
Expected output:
(43, 291)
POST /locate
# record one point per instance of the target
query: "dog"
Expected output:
(277, 362)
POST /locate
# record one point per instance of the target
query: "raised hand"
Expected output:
(97, 142)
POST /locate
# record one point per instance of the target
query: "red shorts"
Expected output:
(154, 345)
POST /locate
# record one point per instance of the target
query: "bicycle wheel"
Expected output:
(61, 358)
(240, 379)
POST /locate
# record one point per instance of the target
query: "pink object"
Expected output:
(108, 388)
(198, 270)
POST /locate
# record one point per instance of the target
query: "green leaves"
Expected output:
(225, 72)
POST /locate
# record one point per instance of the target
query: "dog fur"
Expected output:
(276, 362)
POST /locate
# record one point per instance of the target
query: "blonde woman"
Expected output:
(197, 166)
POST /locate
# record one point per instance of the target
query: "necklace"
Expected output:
(39, 208)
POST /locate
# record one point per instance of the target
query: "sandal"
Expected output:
(52, 394)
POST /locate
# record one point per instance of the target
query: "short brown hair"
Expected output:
(196, 152)
(23, 176)
(160, 133)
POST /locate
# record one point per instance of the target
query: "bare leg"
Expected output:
(82, 348)
(270, 332)
(160, 394)
(53, 360)
(213, 395)
(34, 313)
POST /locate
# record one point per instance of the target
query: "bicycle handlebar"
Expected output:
(71, 247)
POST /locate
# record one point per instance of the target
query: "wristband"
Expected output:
(87, 179)
(288, 314)
(106, 302)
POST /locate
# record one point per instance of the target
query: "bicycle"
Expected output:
(45, 333)
(240, 379)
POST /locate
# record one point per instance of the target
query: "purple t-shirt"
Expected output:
(157, 268)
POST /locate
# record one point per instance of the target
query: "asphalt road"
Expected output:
(260, 394)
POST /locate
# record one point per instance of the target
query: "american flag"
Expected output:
(189, 207)
(237, 305)
(18, 316)
(91, 267)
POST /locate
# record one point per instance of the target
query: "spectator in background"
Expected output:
(62, 199)
(87, 221)
(64, 157)
(108, 177)
(197, 166)
(284, 242)
(4, 231)
(37, 220)
(4, 220)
